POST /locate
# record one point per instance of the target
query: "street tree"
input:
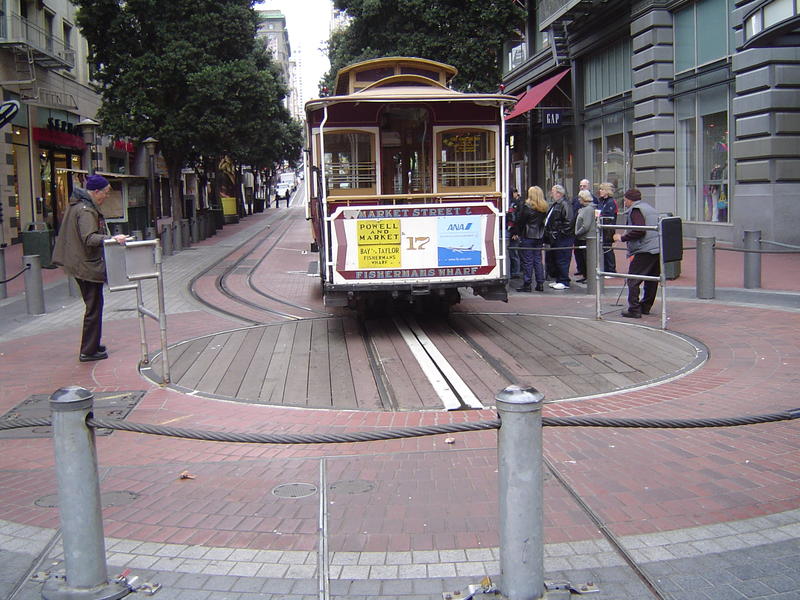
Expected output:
(468, 34)
(187, 73)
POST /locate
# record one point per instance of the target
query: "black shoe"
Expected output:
(631, 315)
(524, 288)
(101, 348)
(582, 280)
(539, 287)
(645, 312)
(90, 357)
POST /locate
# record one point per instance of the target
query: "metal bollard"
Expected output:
(195, 229)
(3, 290)
(136, 234)
(149, 233)
(201, 227)
(591, 264)
(519, 455)
(706, 268)
(79, 502)
(177, 241)
(211, 224)
(34, 289)
(752, 260)
(186, 238)
(166, 239)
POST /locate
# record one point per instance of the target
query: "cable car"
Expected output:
(407, 186)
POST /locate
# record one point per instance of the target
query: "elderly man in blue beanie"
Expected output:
(79, 250)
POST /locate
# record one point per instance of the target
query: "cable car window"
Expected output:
(374, 74)
(406, 146)
(466, 160)
(349, 162)
(417, 71)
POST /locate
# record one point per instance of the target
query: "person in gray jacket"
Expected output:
(79, 250)
(585, 225)
(643, 247)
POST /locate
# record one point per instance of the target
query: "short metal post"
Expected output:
(136, 234)
(3, 289)
(752, 260)
(149, 233)
(195, 228)
(79, 502)
(34, 289)
(519, 451)
(186, 237)
(591, 264)
(202, 227)
(706, 267)
(177, 239)
(166, 239)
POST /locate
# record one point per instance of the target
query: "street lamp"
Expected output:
(151, 143)
(88, 128)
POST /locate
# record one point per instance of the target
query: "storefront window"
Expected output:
(608, 73)
(703, 124)
(715, 167)
(686, 186)
(610, 149)
(702, 33)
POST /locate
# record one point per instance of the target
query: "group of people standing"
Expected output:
(564, 225)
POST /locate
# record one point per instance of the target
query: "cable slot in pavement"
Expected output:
(446, 382)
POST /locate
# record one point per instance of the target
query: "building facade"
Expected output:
(695, 103)
(275, 37)
(43, 66)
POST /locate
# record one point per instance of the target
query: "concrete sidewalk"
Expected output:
(705, 513)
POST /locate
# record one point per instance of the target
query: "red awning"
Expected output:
(535, 95)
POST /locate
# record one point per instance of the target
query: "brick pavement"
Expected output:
(709, 514)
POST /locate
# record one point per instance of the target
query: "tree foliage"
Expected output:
(191, 74)
(468, 34)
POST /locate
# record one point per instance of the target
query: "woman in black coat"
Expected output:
(529, 230)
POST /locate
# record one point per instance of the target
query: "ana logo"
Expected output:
(459, 227)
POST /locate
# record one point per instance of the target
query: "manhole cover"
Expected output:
(107, 405)
(294, 490)
(352, 486)
(106, 499)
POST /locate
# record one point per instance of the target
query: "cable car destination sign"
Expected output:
(414, 241)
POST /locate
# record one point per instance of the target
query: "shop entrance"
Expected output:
(56, 169)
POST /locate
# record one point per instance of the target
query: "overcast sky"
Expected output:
(308, 22)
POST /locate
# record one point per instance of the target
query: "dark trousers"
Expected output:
(609, 259)
(531, 256)
(562, 255)
(580, 258)
(643, 264)
(92, 293)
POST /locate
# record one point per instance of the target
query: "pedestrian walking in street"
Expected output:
(79, 250)
(529, 234)
(643, 251)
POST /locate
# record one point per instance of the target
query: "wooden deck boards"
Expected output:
(324, 363)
